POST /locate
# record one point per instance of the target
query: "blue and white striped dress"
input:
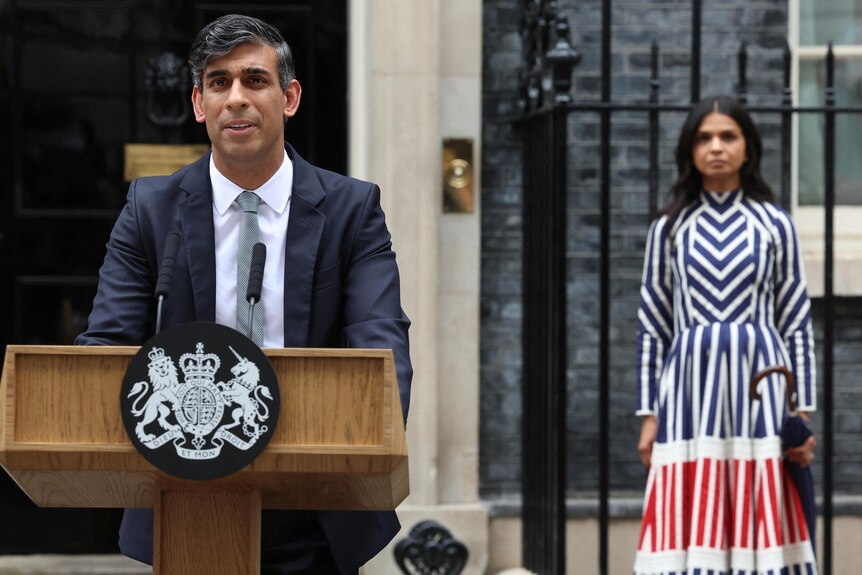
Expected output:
(725, 302)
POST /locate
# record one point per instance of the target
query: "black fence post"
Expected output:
(551, 59)
(544, 341)
(828, 304)
(604, 290)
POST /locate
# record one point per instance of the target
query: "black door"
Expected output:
(79, 80)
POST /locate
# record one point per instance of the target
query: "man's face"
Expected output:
(244, 108)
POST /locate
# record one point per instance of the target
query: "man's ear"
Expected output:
(198, 104)
(292, 96)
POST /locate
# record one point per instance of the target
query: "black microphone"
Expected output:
(169, 258)
(255, 280)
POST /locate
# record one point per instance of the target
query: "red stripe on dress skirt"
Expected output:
(792, 525)
(729, 510)
(690, 474)
(773, 501)
(717, 516)
(667, 542)
(760, 516)
(704, 498)
(648, 523)
(796, 525)
(665, 506)
(746, 536)
(786, 507)
(799, 513)
(800, 527)
(673, 543)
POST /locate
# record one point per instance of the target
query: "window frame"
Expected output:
(810, 220)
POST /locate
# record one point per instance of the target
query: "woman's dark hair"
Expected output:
(224, 34)
(689, 183)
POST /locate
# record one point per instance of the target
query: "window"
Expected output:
(813, 25)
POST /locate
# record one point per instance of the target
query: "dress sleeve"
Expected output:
(793, 312)
(655, 317)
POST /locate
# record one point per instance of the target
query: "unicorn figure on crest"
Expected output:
(245, 391)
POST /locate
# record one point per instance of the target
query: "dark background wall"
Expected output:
(636, 24)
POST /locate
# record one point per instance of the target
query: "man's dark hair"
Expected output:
(226, 33)
(689, 181)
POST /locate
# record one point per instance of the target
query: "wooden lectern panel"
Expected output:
(58, 397)
(188, 523)
(315, 391)
(339, 443)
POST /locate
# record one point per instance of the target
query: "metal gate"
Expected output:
(546, 104)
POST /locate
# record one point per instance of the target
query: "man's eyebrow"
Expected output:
(256, 70)
(246, 71)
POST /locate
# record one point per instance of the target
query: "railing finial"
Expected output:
(549, 56)
(562, 58)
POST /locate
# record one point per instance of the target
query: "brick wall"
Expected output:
(636, 24)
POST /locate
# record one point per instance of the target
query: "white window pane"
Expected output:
(824, 21)
(848, 133)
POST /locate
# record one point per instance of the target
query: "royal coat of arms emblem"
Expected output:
(187, 405)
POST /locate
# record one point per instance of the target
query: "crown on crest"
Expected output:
(157, 356)
(199, 365)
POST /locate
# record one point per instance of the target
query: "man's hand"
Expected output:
(649, 428)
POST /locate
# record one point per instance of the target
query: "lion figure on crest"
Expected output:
(165, 381)
(245, 391)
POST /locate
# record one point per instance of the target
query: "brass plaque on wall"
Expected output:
(159, 159)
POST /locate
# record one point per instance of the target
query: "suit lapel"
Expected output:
(196, 218)
(304, 230)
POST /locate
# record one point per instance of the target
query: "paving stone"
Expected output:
(71, 565)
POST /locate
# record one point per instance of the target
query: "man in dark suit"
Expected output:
(330, 278)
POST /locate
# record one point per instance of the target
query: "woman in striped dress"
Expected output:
(723, 297)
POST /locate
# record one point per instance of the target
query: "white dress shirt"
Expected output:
(272, 219)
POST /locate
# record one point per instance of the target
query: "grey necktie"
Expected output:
(249, 234)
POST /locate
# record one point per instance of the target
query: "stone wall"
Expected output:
(500, 304)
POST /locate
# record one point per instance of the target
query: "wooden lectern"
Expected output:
(339, 444)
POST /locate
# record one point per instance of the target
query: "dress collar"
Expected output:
(721, 199)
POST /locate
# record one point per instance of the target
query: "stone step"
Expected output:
(71, 565)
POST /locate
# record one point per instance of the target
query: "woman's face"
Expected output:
(719, 152)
